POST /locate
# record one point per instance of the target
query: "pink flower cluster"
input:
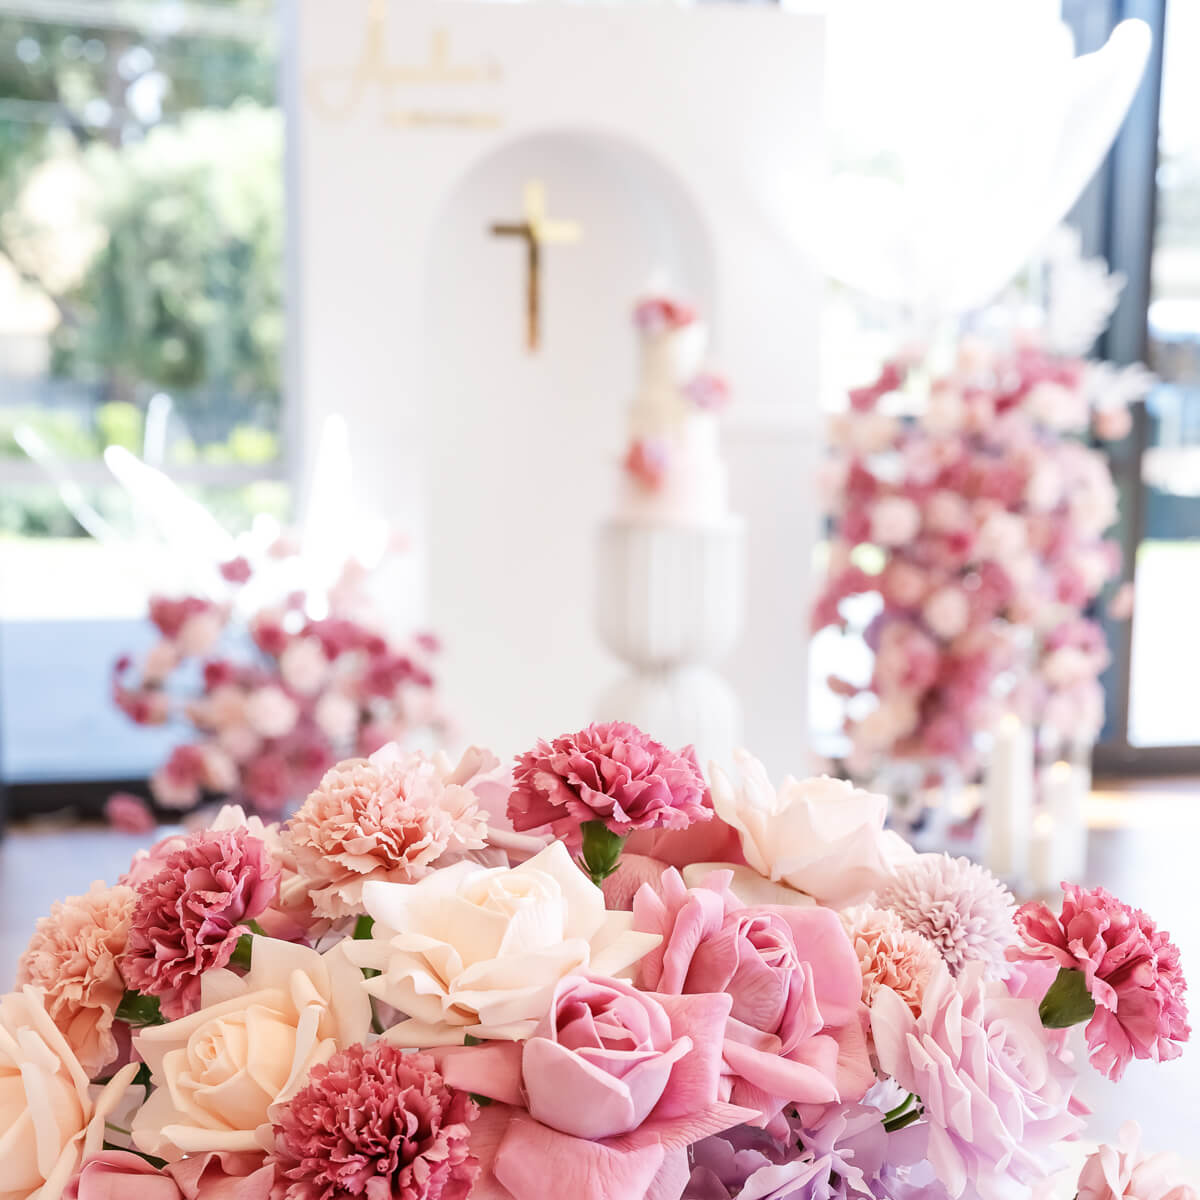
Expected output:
(980, 523)
(725, 1036)
(281, 697)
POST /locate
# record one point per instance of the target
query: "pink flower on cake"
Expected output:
(658, 314)
(996, 1096)
(647, 461)
(612, 773)
(51, 1119)
(616, 1082)
(1130, 967)
(375, 1122)
(1123, 1172)
(819, 836)
(74, 959)
(708, 391)
(190, 914)
(794, 1032)
(388, 818)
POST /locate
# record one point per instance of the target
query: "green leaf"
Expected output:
(363, 928)
(243, 953)
(482, 1101)
(1067, 1002)
(470, 1040)
(138, 1010)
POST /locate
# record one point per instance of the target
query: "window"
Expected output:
(1144, 214)
(141, 276)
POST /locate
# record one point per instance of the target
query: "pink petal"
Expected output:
(533, 1159)
(492, 1070)
(694, 1081)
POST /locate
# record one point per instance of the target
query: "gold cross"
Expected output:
(538, 230)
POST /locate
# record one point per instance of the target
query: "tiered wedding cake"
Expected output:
(671, 574)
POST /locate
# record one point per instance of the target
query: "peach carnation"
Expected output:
(390, 818)
(890, 955)
(74, 959)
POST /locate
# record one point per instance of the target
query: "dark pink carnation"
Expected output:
(1132, 971)
(375, 1123)
(607, 772)
(190, 914)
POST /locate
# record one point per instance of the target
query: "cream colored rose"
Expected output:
(217, 1072)
(479, 951)
(819, 836)
(50, 1118)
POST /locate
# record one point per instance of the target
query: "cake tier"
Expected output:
(668, 594)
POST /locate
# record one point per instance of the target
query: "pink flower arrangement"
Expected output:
(987, 517)
(267, 984)
(282, 696)
(1128, 967)
(611, 773)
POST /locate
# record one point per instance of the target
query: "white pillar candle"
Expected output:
(1064, 792)
(1008, 800)
(1043, 867)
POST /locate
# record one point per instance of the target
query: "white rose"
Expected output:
(50, 1117)
(820, 836)
(479, 951)
(272, 713)
(251, 1045)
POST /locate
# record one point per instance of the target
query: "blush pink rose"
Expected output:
(116, 1175)
(615, 1084)
(795, 1031)
(894, 521)
(603, 1058)
(1123, 1172)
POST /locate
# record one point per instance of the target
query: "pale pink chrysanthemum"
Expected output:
(375, 1122)
(191, 912)
(388, 818)
(75, 959)
(890, 955)
(963, 909)
(1131, 968)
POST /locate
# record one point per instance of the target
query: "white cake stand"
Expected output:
(670, 600)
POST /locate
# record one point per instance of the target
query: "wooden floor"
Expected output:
(1144, 847)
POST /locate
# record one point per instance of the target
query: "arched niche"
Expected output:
(523, 449)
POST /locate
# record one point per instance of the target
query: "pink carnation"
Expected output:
(890, 955)
(190, 914)
(612, 773)
(1132, 972)
(375, 1123)
(388, 818)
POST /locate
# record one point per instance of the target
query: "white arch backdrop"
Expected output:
(413, 126)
